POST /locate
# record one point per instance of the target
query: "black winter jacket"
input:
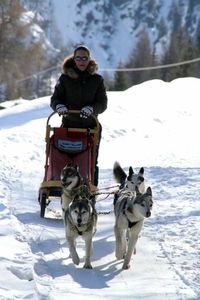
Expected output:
(76, 89)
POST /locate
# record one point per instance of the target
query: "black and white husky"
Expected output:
(71, 181)
(80, 220)
(131, 180)
(130, 211)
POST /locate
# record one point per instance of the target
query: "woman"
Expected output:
(80, 88)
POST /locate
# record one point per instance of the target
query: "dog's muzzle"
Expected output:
(79, 221)
(65, 184)
(148, 214)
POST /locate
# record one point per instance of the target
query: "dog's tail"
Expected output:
(119, 174)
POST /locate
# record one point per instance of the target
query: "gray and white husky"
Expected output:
(130, 211)
(80, 220)
(131, 180)
(71, 181)
(128, 182)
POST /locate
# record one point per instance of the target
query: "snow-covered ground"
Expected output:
(154, 125)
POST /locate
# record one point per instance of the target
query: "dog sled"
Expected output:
(75, 146)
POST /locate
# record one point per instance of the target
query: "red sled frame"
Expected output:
(76, 146)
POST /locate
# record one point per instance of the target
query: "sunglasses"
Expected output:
(81, 58)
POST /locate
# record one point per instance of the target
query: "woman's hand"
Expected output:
(86, 111)
(62, 110)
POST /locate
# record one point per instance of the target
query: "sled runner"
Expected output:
(76, 146)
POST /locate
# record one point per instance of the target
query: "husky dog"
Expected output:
(71, 181)
(128, 183)
(130, 211)
(80, 220)
(131, 181)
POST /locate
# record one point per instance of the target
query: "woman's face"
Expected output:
(81, 59)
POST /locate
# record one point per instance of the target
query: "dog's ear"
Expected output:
(62, 173)
(76, 198)
(65, 167)
(141, 172)
(86, 200)
(77, 168)
(130, 173)
(149, 191)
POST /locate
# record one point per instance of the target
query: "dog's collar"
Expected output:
(76, 228)
(85, 228)
(72, 192)
(69, 192)
(79, 232)
(130, 224)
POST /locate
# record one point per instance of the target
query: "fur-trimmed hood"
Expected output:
(69, 67)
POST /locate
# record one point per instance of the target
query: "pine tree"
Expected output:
(120, 83)
(175, 15)
(180, 49)
(142, 56)
(188, 53)
(11, 34)
(170, 56)
(18, 58)
(197, 51)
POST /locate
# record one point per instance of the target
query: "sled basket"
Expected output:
(76, 146)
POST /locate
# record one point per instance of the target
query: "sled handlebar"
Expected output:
(75, 112)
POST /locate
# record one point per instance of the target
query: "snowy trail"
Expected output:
(54, 275)
(34, 258)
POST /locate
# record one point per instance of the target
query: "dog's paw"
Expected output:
(87, 266)
(126, 266)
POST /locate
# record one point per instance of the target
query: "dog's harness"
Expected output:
(118, 193)
(84, 191)
(122, 187)
(81, 190)
(130, 224)
(81, 232)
